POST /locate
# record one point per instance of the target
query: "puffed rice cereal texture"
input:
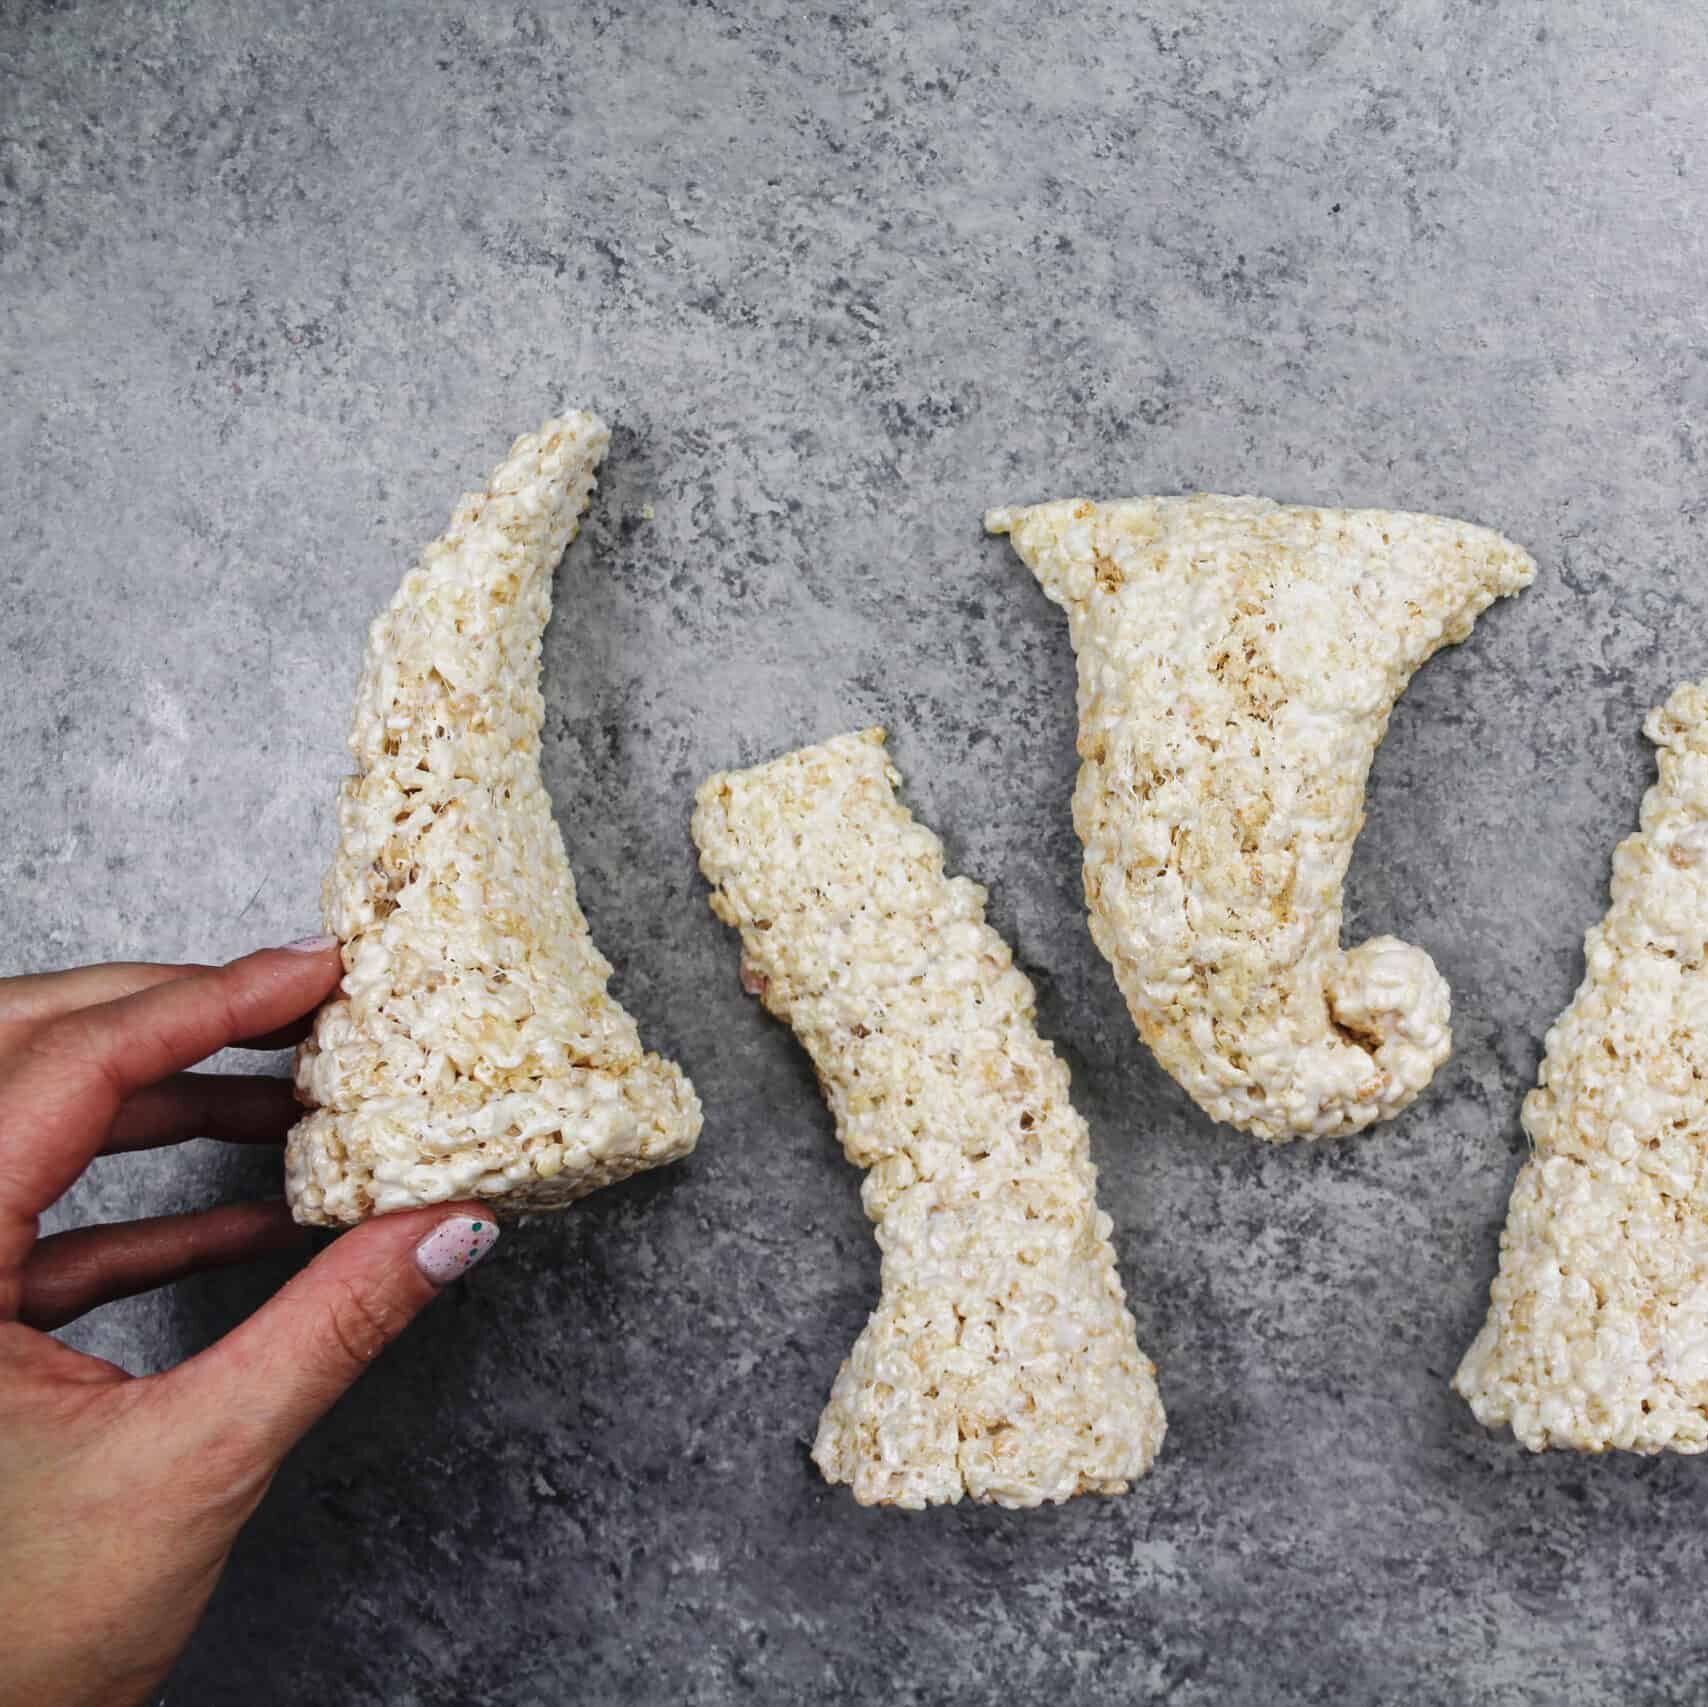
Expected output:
(472, 1049)
(1597, 1332)
(1001, 1363)
(1237, 665)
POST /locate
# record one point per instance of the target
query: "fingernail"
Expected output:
(454, 1247)
(312, 944)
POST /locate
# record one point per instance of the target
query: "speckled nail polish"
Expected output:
(454, 1247)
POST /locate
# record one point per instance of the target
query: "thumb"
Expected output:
(271, 1379)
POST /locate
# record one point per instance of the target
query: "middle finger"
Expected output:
(240, 1108)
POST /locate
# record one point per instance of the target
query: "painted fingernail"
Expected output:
(454, 1247)
(312, 944)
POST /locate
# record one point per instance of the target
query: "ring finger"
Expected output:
(70, 1273)
(240, 1108)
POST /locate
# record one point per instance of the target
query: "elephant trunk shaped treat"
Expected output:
(1237, 664)
(472, 1048)
(1597, 1332)
(1001, 1363)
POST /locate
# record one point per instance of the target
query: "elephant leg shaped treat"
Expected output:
(472, 1049)
(1001, 1362)
(1237, 665)
(1597, 1332)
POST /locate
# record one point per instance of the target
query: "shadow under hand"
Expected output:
(461, 1489)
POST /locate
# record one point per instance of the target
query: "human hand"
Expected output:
(121, 1496)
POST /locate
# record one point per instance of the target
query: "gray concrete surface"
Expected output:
(277, 280)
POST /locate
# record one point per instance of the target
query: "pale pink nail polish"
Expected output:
(454, 1247)
(312, 944)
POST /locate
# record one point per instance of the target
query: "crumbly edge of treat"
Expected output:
(544, 1171)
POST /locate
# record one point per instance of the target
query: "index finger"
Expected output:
(32, 998)
(69, 1079)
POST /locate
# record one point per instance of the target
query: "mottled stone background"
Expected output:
(278, 280)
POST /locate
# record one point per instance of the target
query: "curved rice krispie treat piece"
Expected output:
(1237, 664)
(1000, 1362)
(472, 1049)
(1597, 1333)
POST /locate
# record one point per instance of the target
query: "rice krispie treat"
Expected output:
(1597, 1333)
(472, 1049)
(1237, 665)
(1000, 1363)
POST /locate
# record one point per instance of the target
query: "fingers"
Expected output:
(239, 1108)
(73, 1272)
(286, 1037)
(38, 997)
(143, 1037)
(63, 1089)
(279, 1372)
